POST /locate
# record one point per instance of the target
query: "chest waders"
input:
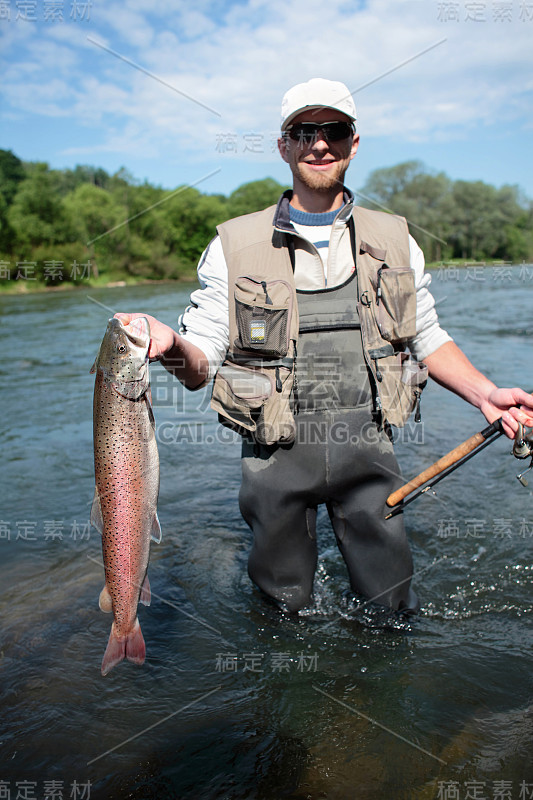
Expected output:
(339, 457)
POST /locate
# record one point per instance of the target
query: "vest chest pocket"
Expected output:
(396, 303)
(263, 312)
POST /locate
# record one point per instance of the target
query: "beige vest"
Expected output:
(253, 387)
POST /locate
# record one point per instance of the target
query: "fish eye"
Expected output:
(122, 348)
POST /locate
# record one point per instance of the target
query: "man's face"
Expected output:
(320, 165)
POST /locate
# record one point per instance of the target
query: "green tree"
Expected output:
(461, 219)
(12, 173)
(424, 198)
(519, 237)
(72, 178)
(7, 235)
(254, 196)
(122, 227)
(385, 185)
(98, 218)
(481, 219)
(37, 214)
(188, 221)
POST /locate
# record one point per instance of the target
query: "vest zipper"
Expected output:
(279, 385)
(295, 382)
(378, 289)
(418, 415)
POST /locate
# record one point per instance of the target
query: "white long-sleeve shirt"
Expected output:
(205, 321)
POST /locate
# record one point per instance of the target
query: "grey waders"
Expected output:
(341, 458)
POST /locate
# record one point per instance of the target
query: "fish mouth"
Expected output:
(137, 331)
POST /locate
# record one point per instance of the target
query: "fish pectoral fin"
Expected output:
(94, 366)
(148, 401)
(104, 601)
(156, 534)
(97, 519)
(146, 594)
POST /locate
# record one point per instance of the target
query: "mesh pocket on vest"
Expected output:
(262, 311)
(261, 329)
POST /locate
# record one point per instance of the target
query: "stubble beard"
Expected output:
(320, 181)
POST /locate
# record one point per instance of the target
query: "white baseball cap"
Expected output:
(316, 93)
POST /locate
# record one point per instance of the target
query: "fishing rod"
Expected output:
(522, 448)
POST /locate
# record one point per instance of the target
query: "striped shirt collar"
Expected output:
(282, 215)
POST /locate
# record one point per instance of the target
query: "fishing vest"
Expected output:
(255, 390)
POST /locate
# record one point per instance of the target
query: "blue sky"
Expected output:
(208, 112)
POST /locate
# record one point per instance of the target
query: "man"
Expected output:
(308, 314)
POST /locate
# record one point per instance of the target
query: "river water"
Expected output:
(238, 699)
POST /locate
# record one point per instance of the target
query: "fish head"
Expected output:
(123, 354)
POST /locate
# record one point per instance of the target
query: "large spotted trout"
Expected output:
(126, 467)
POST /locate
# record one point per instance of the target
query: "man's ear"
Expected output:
(283, 147)
(355, 145)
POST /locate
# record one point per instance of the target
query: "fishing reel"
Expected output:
(523, 448)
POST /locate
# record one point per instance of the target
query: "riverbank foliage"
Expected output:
(71, 226)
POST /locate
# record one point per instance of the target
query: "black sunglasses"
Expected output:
(307, 132)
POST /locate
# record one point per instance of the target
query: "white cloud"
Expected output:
(239, 58)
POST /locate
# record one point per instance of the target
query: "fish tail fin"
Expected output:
(115, 651)
(131, 647)
(135, 647)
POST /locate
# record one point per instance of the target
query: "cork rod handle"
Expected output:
(435, 469)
